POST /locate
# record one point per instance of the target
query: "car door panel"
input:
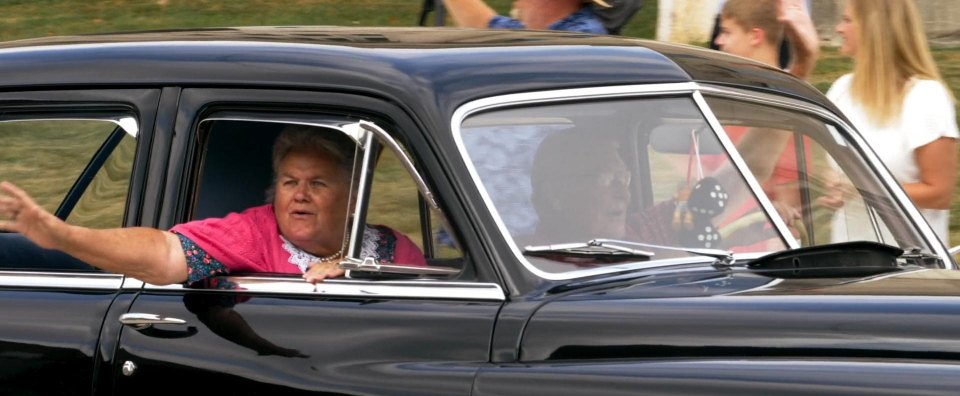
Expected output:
(345, 336)
(49, 339)
(325, 344)
(53, 306)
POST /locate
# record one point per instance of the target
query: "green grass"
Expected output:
(46, 157)
(37, 18)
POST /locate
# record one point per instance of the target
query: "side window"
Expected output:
(806, 170)
(77, 169)
(234, 175)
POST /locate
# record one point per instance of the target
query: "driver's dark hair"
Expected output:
(556, 158)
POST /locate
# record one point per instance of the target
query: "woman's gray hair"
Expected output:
(328, 142)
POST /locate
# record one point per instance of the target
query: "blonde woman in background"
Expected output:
(897, 100)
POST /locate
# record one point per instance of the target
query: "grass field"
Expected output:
(37, 18)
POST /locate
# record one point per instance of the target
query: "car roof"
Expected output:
(445, 65)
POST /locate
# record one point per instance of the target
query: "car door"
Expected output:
(78, 153)
(276, 334)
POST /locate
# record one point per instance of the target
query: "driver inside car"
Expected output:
(581, 190)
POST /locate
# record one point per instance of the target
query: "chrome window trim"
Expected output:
(61, 280)
(850, 133)
(419, 288)
(696, 91)
(130, 283)
(355, 232)
(129, 124)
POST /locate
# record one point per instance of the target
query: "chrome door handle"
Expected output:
(142, 321)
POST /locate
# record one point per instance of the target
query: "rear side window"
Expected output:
(77, 169)
(80, 168)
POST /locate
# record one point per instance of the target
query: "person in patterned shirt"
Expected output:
(567, 15)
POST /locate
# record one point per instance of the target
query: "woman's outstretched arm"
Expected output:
(148, 254)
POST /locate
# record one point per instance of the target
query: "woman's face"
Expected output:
(597, 196)
(311, 202)
(847, 29)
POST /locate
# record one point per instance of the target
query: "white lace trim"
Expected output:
(302, 259)
(371, 238)
(298, 257)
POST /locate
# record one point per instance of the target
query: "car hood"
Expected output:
(909, 315)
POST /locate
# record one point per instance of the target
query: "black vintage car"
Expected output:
(600, 215)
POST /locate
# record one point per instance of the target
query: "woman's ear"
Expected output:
(757, 37)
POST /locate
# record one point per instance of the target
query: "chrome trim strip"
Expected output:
(127, 123)
(355, 227)
(850, 133)
(341, 125)
(61, 280)
(745, 172)
(564, 94)
(130, 283)
(356, 288)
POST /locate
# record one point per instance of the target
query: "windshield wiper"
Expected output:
(614, 247)
(599, 249)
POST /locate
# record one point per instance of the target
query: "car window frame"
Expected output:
(696, 92)
(104, 104)
(196, 104)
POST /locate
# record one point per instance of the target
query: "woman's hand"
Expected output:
(19, 213)
(317, 272)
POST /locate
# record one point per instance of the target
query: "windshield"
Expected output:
(652, 171)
